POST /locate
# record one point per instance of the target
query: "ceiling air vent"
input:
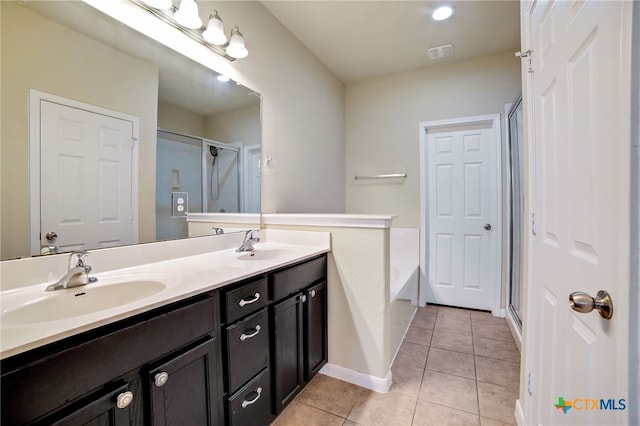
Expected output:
(440, 52)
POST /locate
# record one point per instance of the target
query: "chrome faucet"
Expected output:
(249, 241)
(77, 272)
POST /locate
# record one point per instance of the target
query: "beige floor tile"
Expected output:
(496, 332)
(428, 310)
(498, 349)
(497, 402)
(446, 312)
(453, 326)
(484, 421)
(329, 394)
(429, 414)
(349, 423)
(301, 414)
(385, 409)
(412, 355)
(450, 362)
(452, 342)
(453, 391)
(419, 336)
(406, 379)
(479, 317)
(498, 372)
(424, 321)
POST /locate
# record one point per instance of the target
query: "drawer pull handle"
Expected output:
(124, 399)
(246, 403)
(161, 379)
(244, 337)
(250, 301)
(312, 293)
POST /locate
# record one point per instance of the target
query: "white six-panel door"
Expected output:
(86, 186)
(580, 97)
(463, 203)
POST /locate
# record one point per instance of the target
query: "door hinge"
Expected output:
(527, 55)
(530, 384)
(533, 223)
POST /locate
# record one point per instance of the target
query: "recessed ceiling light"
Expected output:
(442, 13)
(223, 78)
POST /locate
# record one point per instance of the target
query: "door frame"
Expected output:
(35, 98)
(424, 127)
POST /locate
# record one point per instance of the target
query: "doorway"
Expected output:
(461, 216)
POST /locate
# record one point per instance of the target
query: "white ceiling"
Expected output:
(360, 39)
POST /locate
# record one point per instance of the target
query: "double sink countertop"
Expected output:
(32, 317)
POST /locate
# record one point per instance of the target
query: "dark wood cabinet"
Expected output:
(183, 390)
(79, 380)
(288, 362)
(315, 329)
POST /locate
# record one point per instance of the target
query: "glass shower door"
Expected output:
(516, 247)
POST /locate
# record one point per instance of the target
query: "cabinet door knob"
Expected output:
(303, 298)
(161, 378)
(124, 399)
(246, 403)
(244, 336)
(249, 301)
(312, 293)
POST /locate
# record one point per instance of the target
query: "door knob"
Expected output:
(51, 236)
(584, 303)
(160, 379)
(124, 399)
(487, 227)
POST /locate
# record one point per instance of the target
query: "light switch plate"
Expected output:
(179, 204)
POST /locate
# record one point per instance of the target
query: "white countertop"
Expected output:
(184, 277)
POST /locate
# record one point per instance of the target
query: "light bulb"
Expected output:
(214, 33)
(187, 15)
(236, 48)
(223, 78)
(159, 4)
(442, 13)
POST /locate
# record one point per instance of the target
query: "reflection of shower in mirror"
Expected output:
(208, 170)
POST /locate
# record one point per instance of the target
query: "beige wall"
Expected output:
(238, 125)
(179, 120)
(302, 114)
(70, 72)
(382, 119)
(359, 312)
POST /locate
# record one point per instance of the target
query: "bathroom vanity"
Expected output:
(236, 354)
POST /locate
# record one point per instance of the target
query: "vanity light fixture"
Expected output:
(186, 18)
(187, 14)
(442, 13)
(236, 48)
(214, 33)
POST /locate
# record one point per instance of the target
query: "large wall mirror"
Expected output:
(109, 137)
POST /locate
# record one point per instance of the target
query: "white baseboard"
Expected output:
(519, 413)
(366, 381)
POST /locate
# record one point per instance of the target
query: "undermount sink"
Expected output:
(36, 307)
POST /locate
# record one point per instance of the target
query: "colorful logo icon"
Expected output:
(563, 405)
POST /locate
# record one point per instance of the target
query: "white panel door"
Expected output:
(463, 200)
(581, 184)
(252, 179)
(86, 178)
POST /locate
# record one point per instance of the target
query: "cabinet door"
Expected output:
(185, 389)
(112, 408)
(315, 329)
(288, 363)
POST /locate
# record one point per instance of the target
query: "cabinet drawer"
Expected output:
(245, 299)
(251, 405)
(299, 276)
(247, 349)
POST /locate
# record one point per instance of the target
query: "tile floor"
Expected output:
(455, 367)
